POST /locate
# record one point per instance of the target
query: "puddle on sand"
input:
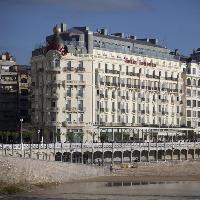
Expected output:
(116, 191)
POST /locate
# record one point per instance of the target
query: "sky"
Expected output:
(26, 23)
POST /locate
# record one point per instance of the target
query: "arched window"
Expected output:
(188, 81)
(199, 82)
(172, 99)
(154, 73)
(113, 94)
(56, 63)
(106, 93)
(23, 80)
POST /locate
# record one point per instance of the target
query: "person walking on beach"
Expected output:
(99, 163)
(111, 167)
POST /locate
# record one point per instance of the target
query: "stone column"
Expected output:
(102, 154)
(112, 160)
(82, 153)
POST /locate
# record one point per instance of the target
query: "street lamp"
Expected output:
(38, 132)
(21, 121)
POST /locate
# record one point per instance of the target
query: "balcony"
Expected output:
(52, 96)
(101, 95)
(149, 76)
(114, 84)
(54, 109)
(123, 110)
(54, 82)
(108, 84)
(69, 69)
(54, 69)
(64, 124)
(80, 69)
(52, 123)
(81, 109)
(80, 95)
(113, 110)
(101, 109)
(106, 110)
(129, 86)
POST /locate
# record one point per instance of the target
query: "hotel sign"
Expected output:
(144, 63)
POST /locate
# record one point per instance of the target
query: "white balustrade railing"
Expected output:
(101, 146)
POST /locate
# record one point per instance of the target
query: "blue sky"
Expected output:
(26, 23)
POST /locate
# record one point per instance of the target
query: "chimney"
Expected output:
(63, 27)
(153, 40)
(119, 35)
(133, 37)
(104, 31)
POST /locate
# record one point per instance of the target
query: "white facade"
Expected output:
(78, 92)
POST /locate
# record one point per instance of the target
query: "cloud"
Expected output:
(87, 5)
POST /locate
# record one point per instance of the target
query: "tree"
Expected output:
(103, 137)
(14, 136)
(70, 136)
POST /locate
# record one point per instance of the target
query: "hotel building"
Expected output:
(95, 86)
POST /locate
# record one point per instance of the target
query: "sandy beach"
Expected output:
(161, 171)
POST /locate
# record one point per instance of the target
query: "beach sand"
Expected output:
(161, 171)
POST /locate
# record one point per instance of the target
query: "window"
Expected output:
(113, 106)
(106, 68)
(56, 63)
(80, 105)
(194, 103)
(188, 81)
(69, 117)
(80, 91)
(188, 92)
(68, 104)
(23, 80)
(80, 118)
(53, 116)
(188, 113)
(53, 104)
(80, 77)
(69, 91)
(69, 77)
(188, 103)
(194, 113)
(194, 71)
(69, 65)
(113, 118)
(189, 123)
(80, 65)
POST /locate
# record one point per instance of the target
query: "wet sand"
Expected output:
(164, 171)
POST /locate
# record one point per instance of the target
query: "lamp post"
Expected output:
(21, 122)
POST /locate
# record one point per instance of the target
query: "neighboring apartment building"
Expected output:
(90, 83)
(24, 77)
(191, 76)
(8, 93)
(14, 81)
